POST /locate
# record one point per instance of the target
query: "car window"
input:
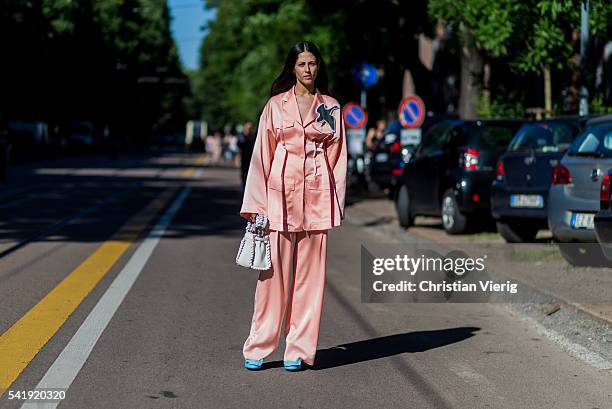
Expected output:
(595, 141)
(433, 142)
(608, 140)
(543, 137)
(492, 136)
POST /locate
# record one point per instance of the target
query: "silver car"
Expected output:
(574, 193)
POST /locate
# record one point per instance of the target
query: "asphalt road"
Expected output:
(118, 282)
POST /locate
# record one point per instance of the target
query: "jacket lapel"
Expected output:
(311, 116)
(291, 112)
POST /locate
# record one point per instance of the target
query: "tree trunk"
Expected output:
(547, 91)
(486, 90)
(471, 74)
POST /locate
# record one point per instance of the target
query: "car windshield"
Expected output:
(595, 141)
(492, 136)
(543, 137)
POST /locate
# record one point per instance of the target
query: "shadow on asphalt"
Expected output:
(384, 347)
(73, 207)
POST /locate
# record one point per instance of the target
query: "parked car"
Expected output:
(79, 135)
(28, 133)
(451, 172)
(391, 154)
(519, 194)
(574, 196)
(387, 157)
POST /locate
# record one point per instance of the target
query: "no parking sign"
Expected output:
(411, 112)
(354, 116)
(355, 119)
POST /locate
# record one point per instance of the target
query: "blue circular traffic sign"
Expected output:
(365, 75)
(354, 116)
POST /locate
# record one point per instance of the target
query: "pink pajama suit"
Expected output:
(297, 177)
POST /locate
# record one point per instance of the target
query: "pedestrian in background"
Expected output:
(246, 143)
(215, 148)
(231, 150)
(297, 178)
(375, 134)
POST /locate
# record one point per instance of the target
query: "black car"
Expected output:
(519, 193)
(387, 157)
(390, 155)
(451, 172)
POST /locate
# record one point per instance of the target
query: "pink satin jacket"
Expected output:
(297, 175)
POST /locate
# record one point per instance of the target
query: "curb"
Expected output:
(581, 332)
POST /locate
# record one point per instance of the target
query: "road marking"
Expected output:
(70, 361)
(20, 343)
(195, 172)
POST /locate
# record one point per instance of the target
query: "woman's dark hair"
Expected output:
(286, 79)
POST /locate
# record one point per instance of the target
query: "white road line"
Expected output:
(70, 361)
(480, 382)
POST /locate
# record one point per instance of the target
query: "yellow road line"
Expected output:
(188, 174)
(22, 341)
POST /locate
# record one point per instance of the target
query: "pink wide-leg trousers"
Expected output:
(306, 252)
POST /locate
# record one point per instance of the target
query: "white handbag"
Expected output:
(254, 251)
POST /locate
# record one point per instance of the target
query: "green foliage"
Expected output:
(246, 49)
(598, 107)
(81, 59)
(491, 23)
(505, 105)
(549, 40)
(528, 35)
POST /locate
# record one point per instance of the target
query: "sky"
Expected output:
(188, 17)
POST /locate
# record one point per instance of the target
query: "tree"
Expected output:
(549, 42)
(487, 30)
(66, 60)
(247, 45)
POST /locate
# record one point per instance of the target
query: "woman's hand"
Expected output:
(249, 216)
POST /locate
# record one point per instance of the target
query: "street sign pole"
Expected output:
(583, 105)
(365, 75)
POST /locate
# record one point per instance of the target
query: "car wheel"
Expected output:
(402, 206)
(513, 232)
(453, 220)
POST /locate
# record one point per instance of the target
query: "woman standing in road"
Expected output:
(297, 178)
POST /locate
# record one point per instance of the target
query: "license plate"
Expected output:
(582, 221)
(381, 157)
(536, 201)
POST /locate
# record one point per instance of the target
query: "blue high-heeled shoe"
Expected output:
(293, 366)
(253, 364)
